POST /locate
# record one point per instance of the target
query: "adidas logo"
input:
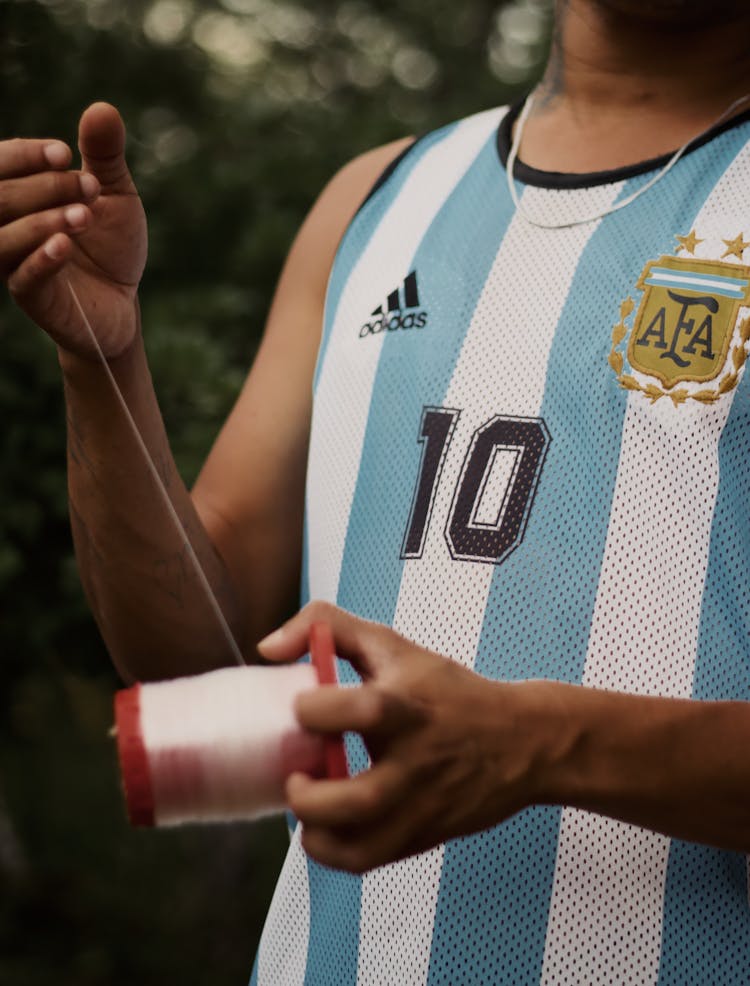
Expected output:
(394, 315)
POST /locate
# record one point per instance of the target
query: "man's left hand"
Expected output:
(451, 752)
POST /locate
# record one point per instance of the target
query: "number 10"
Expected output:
(502, 466)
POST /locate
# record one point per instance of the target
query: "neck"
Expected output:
(622, 87)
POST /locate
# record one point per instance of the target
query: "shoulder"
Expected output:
(342, 197)
(313, 253)
(357, 180)
(358, 176)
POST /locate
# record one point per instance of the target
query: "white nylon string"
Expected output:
(221, 746)
(178, 525)
(542, 224)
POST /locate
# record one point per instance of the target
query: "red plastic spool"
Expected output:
(323, 657)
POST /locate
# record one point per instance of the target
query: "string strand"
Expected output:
(567, 224)
(164, 495)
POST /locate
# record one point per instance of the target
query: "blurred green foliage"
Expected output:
(238, 112)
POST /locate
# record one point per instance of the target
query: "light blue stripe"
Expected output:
(665, 281)
(414, 369)
(671, 272)
(707, 916)
(304, 586)
(334, 927)
(672, 282)
(360, 232)
(495, 890)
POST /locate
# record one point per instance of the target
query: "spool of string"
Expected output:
(219, 746)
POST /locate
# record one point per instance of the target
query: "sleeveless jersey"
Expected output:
(531, 452)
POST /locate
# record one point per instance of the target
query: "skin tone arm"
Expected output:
(244, 518)
(453, 753)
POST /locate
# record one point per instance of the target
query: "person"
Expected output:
(527, 475)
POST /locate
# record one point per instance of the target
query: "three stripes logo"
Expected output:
(402, 310)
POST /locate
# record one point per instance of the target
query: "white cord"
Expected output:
(220, 746)
(567, 224)
(179, 527)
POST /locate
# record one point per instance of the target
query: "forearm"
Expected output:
(674, 766)
(151, 608)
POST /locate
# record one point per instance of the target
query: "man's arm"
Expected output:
(454, 753)
(250, 492)
(245, 515)
(245, 519)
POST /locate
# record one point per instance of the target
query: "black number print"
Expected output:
(434, 436)
(502, 468)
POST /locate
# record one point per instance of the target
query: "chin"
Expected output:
(677, 13)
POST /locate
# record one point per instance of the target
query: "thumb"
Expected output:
(101, 140)
(363, 644)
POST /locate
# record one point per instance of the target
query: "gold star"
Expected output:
(689, 242)
(735, 247)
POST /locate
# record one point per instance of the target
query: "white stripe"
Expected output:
(342, 400)
(499, 370)
(342, 404)
(605, 921)
(282, 955)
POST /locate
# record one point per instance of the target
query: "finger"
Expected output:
(20, 238)
(101, 139)
(358, 801)
(291, 640)
(357, 851)
(410, 825)
(333, 849)
(24, 196)
(21, 157)
(366, 710)
(30, 279)
(357, 640)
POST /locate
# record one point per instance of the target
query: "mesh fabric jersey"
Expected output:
(531, 453)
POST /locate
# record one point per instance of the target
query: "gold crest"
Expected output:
(684, 329)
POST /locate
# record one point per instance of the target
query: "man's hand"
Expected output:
(452, 753)
(85, 226)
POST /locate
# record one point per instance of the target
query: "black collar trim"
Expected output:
(557, 179)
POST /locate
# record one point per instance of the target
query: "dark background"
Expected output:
(238, 112)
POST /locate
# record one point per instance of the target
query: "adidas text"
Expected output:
(392, 322)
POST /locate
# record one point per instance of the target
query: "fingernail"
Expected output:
(89, 186)
(55, 247)
(273, 639)
(57, 155)
(75, 216)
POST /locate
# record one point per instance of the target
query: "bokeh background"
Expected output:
(238, 112)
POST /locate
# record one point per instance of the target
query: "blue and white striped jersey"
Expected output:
(531, 452)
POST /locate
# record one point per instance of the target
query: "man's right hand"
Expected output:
(87, 227)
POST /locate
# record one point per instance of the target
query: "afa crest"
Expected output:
(688, 340)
